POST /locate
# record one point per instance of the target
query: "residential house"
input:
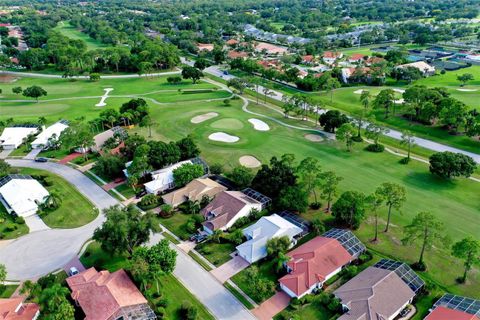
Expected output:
(356, 58)
(273, 226)
(270, 49)
(358, 72)
(374, 60)
(229, 206)
(101, 138)
(318, 260)
(330, 57)
(379, 292)
(452, 307)
(232, 42)
(16, 309)
(162, 179)
(196, 190)
(426, 69)
(205, 47)
(308, 59)
(13, 137)
(21, 194)
(233, 54)
(108, 296)
(52, 132)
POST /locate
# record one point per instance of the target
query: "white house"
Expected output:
(162, 179)
(274, 226)
(21, 194)
(422, 66)
(13, 137)
(52, 131)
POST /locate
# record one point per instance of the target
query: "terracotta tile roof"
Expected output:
(356, 57)
(308, 58)
(224, 208)
(205, 46)
(443, 313)
(15, 309)
(270, 48)
(374, 294)
(102, 294)
(194, 191)
(312, 262)
(232, 42)
(332, 54)
(375, 60)
(237, 54)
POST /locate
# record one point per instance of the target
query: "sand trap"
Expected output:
(399, 101)
(204, 117)
(399, 90)
(249, 162)
(223, 137)
(314, 137)
(104, 97)
(5, 78)
(259, 125)
(467, 90)
(359, 91)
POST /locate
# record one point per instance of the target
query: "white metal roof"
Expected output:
(262, 231)
(13, 136)
(23, 194)
(55, 129)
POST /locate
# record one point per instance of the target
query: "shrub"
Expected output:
(357, 139)
(350, 272)
(315, 205)
(443, 71)
(365, 257)
(227, 102)
(163, 303)
(419, 266)
(188, 311)
(149, 201)
(160, 311)
(375, 147)
(19, 220)
(166, 210)
(174, 80)
(404, 160)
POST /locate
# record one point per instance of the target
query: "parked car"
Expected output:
(140, 194)
(73, 271)
(198, 238)
(41, 159)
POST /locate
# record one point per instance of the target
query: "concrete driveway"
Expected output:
(229, 269)
(268, 309)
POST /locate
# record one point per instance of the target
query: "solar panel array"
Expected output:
(347, 239)
(467, 305)
(296, 220)
(10, 177)
(403, 271)
(264, 200)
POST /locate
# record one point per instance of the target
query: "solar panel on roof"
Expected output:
(347, 239)
(467, 305)
(403, 271)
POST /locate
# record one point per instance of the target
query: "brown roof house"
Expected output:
(379, 292)
(109, 296)
(194, 191)
(229, 206)
(15, 309)
(318, 260)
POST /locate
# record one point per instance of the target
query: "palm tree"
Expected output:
(267, 92)
(52, 201)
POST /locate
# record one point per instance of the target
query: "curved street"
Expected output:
(41, 252)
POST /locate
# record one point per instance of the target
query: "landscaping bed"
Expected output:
(10, 228)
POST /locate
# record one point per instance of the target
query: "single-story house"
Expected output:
(21, 194)
(205, 47)
(233, 54)
(374, 60)
(101, 138)
(52, 132)
(274, 226)
(379, 292)
(312, 264)
(270, 49)
(425, 68)
(330, 57)
(162, 179)
(13, 137)
(452, 307)
(363, 72)
(15, 309)
(194, 191)
(356, 58)
(308, 59)
(232, 42)
(229, 206)
(106, 296)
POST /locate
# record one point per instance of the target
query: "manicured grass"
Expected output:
(126, 190)
(309, 311)
(238, 295)
(176, 224)
(65, 28)
(199, 260)
(170, 287)
(216, 253)
(75, 209)
(21, 151)
(7, 291)
(9, 229)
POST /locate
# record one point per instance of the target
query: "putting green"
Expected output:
(227, 123)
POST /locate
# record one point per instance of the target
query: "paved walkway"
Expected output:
(70, 157)
(35, 223)
(268, 309)
(33, 154)
(229, 269)
(113, 185)
(5, 153)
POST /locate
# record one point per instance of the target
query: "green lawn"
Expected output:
(7, 291)
(9, 229)
(266, 270)
(170, 287)
(216, 253)
(75, 209)
(65, 28)
(176, 224)
(126, 190)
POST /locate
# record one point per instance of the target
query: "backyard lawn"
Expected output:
(7, 291)
(170, 287)
(75, 209)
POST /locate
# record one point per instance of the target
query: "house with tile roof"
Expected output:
(450, 307)
(375, 293)
(16, 309)
(194, 191)
(313, 263)
(205, 47)
(228, 207)
(233, 54)
(257, 235)
(232, 42)
(443, 313)
(356, 58)
(330, 57)
(308, 59)
(108, 296)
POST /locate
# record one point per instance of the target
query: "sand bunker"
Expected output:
(399, 90)
(467, 90)
(314, 137)
(259, 125)
(5, 78)
(223, 137)
(104, 97)
(399, 101)
(204, 117)
(359, 91)
(249, 162)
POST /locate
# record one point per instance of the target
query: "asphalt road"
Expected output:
(39, 253)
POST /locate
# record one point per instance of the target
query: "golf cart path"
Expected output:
(41, 252)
